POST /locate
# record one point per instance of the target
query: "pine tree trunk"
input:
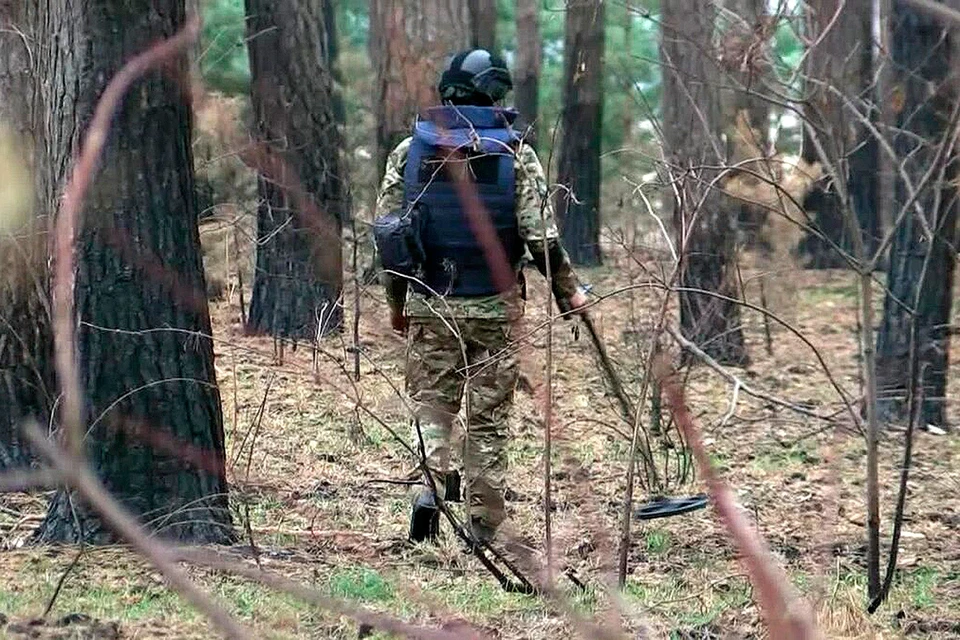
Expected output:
(746, 112)
(410, 42)
(152, 407)
(483, 19)
(528, 65)
(921, 274)
(628, 107)
(692, 121)
(745, 62)
(27, 385)
(299, 274)
(578, 203)
(842, 59)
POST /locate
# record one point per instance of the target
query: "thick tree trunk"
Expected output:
(410, 42)
(299, 275)
(691, 128)
(578, 202)
(483, 19)
(27, 385)
(842, 60)
(152, 407)
(920, 277)
(529, 61)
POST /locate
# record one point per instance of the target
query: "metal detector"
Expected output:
(658, 505)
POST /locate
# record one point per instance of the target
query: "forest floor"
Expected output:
(305, 468)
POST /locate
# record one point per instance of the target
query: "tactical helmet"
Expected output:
(473, 75)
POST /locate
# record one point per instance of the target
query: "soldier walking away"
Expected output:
(456, 321)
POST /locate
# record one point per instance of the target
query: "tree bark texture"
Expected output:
(154, 431)
(578, 200)
(692, 121)
(744, 57)
(27, 384)
(483, 19)
(841, 59)
(410, 43)
(628, 108)
(529, 61)
(299, 275)
(921, 273)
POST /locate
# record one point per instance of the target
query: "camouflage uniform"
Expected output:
(439, 364)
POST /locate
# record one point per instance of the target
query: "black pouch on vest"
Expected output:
(398, 239)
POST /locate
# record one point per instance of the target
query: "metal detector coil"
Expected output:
(658, 505)
(664, 507)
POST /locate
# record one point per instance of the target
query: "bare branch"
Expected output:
(740, 384)
(787, 616)
(76, 474)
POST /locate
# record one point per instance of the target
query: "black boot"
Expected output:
(425, 519)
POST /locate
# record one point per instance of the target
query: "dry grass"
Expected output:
(319, 515)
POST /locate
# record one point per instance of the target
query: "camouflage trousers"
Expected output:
(438, 380)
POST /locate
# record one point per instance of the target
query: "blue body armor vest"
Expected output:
(454, 262)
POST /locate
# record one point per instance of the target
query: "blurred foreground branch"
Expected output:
(73, 472)
(788, 617)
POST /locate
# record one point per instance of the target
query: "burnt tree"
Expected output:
(483, 23)
(152, 413)
(841, 60)
(923, 256)
(27, 385)
(705, 229)
(526, 80)
(298, 276)
(410, 42)
(578, 172)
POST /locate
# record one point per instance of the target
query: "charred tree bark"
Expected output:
(410, 42)
(921, 273)
(578, 202)
(483, 18)
(299, 274)
(528, 65)
(152, 407)
(692, 122)
(27, 385)
(842, 60)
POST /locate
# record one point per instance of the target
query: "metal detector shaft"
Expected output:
(626, 407)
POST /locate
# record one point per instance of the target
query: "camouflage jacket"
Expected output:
(536, 223)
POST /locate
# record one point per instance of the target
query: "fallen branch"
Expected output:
(476, 546)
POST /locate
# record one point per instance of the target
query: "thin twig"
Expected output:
(760, 395)
(62, 581)
(914, 409)
(378, 621)
(79, 476)
(548, 415)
